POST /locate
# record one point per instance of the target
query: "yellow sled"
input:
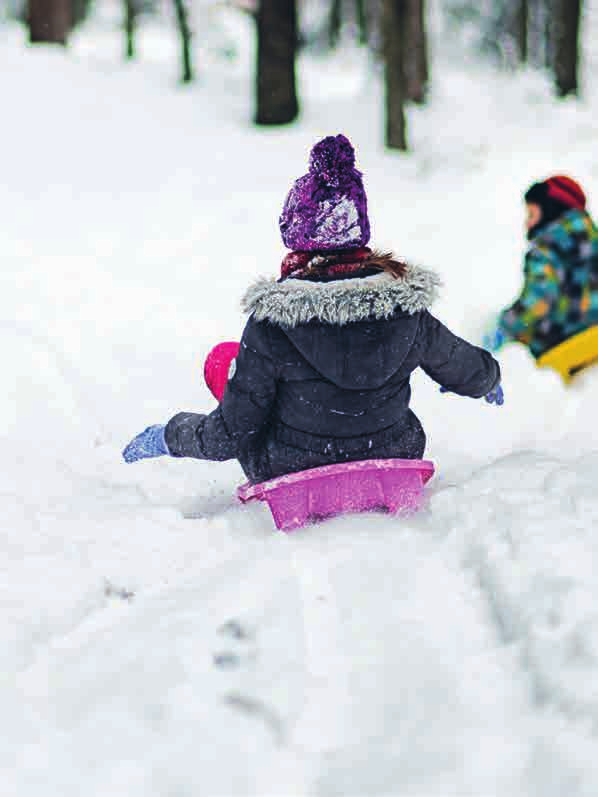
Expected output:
(572, 356)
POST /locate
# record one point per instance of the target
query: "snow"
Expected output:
(338, 223)
(158, 639)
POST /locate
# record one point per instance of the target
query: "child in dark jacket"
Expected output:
(560, 292)
(322, 374)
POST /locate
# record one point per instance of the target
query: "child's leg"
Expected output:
(218, 367)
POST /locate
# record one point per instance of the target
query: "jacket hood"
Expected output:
(293, 302)
(356, 333)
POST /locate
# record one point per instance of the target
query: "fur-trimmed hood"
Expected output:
(293, 302)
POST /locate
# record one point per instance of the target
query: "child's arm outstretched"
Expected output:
(233, 425)
(456, 364)
(539, 294)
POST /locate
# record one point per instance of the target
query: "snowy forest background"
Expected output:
(512, 33)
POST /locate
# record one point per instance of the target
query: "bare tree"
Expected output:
(548, 41)
(415, 48)
(182, 15)
(362, 21)
(394, 25)
(375, 27)
(276, 88)
(565, 34)
(520, 27)
(356, 13)
(130, 27)
(49, 21)
(549, 7)
(335, 21)
(540, 50)
(79, 11)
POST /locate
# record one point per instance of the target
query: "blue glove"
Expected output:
(496, 396)
(494, 340)
(150, 443)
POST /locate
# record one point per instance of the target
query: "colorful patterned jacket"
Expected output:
(560, 292)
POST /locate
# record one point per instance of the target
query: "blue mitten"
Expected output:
(496, 396)
(494, 340)
(150, 443)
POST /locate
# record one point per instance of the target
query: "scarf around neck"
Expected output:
(326, 266)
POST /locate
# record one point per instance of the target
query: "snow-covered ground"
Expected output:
(156, 638)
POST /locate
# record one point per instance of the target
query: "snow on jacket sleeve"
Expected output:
(455, 364)
(540, 292)
(237, 422)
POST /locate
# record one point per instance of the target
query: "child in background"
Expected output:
(560, 291)
(322, 372)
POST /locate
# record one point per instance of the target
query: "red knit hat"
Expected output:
(566, 191)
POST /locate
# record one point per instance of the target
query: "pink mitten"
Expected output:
(219, 367)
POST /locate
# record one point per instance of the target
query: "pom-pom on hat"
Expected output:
(326, 209)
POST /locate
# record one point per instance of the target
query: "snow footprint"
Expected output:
(240, 646)
(241, 650)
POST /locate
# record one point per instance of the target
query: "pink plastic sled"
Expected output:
(390, 485)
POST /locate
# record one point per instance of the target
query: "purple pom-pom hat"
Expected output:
(326, 209)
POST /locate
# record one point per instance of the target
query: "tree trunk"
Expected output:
(182, 15)
(338, 12)
(79, 11)
(548, 39)
(335, 21)
(277, 102)
(566, 23)
(49, 21)
(394, 23)
(539, 20)
(130, 28)
(374, 16)
(362, 21)
(415, 51)
(520, 29)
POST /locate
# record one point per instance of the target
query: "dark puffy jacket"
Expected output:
(323, 376)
